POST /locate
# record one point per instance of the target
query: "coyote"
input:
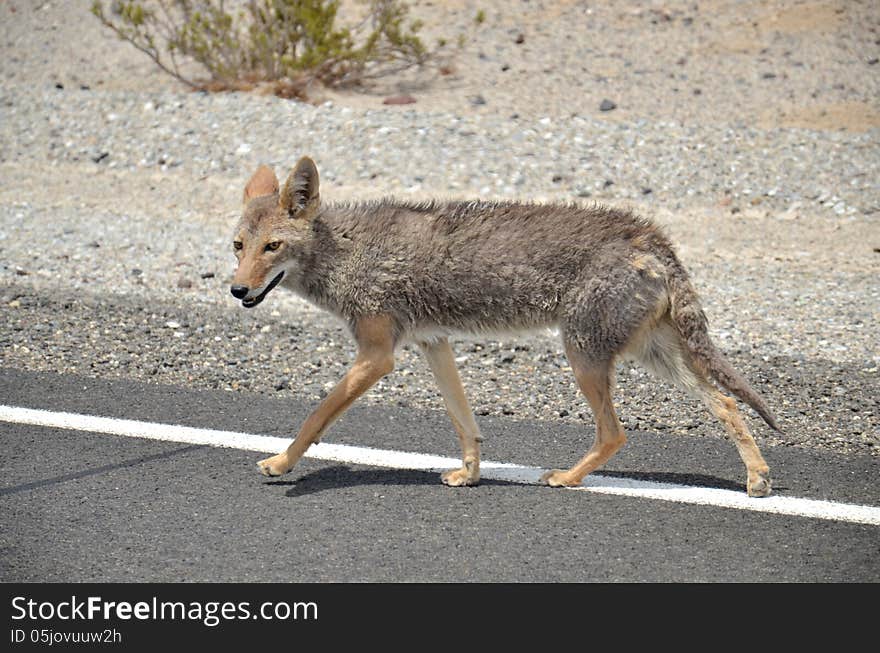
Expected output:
(422, 272)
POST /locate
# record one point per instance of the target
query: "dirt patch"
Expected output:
(806, 17)
(847, 116)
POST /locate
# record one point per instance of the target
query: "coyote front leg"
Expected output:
(375, 359)
(442, 362)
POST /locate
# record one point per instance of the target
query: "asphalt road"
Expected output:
(78, 506)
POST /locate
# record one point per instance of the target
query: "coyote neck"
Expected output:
(324, 261)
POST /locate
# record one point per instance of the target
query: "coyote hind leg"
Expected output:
(595, 382)
(664, 353)
(724, 408)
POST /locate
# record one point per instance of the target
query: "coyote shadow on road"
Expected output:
(341, 476)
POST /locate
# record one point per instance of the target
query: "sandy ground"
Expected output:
(774, 63)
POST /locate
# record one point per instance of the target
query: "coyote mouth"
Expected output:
(250, 302)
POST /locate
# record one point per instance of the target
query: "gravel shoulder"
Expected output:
(120, 189)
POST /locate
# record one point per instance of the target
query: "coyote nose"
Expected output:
(239, 291)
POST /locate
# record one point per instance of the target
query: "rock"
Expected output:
(607, 105)
(399, 99)
(183, 282)
(207, 275)
(520, 39)
(478, 100)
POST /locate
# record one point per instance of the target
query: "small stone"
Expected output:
(478, 100)
(172, 324)
(520, 39)
(607, 105)
(100, 157)
(399, 99)
(94, 244)
(20, 271)
(183, 282)
(207, 275)
(136, 272)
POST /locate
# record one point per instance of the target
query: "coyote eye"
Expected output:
(271, 247)
(237, 244)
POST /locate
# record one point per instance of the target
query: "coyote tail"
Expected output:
(690, 320)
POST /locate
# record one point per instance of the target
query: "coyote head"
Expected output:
(274, 230)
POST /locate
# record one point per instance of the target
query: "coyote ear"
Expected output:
(263, 182)
(301, 188)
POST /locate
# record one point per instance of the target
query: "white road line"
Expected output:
(782, 505)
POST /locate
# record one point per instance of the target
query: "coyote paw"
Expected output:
(274, 466)
(459, 477)
(559, 478)
(759, 484)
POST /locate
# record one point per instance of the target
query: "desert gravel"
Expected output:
(120, 190)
